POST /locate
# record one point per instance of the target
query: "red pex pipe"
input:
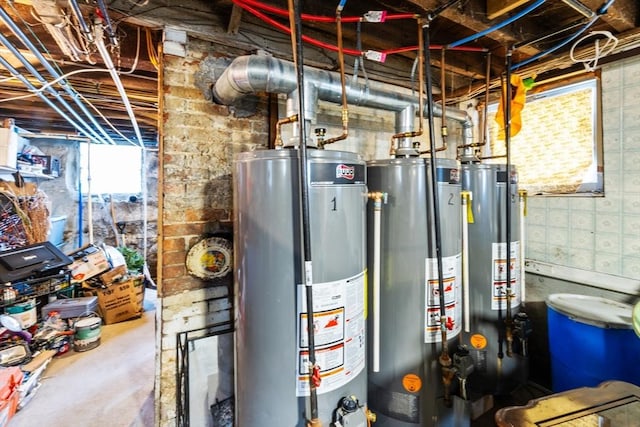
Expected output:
(246, 5)
(317, 18)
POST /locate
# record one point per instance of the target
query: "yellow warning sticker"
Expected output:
(412, 383)
(478, 341)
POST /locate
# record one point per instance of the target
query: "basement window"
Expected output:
(559, 148)
(115, 169)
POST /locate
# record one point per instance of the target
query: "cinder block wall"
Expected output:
(198, 142)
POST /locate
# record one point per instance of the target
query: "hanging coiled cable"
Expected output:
(601, 11)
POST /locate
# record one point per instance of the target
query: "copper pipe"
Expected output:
(345, 110)
(485, 139)
(278, 139)
(412, 134)
(443, 129)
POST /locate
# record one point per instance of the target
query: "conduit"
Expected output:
(444, 359)
(507, 138)
(305, 240)
(262, 73)
(104, 14)
(27, 43)
(27, 83)
(83, 25)
(116, 79)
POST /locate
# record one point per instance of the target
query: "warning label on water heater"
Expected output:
(338, 332)
(451, 266)
(499, 289)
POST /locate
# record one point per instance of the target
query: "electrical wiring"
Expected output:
(151, 50)
(135, 61)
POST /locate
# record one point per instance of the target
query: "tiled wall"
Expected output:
(601, 233)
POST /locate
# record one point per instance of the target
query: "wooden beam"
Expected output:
(496, 8)
(622, 15)
(475, 23)
(235, 19)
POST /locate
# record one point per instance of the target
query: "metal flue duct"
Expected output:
(262, 73)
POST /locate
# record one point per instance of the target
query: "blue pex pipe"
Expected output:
(601, 11)
(515, 17)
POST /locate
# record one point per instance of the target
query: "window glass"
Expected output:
(559, 149)
(115, 169)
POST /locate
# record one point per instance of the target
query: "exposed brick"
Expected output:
(183, 92)
(176, 244)
(174, 257)
(175, 230)
(172, 271)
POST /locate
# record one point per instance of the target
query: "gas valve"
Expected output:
(463, 362)
(522, 328)
(350, 413)
(464, 365)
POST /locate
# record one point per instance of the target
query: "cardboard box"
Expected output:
(88, 262)
(113, 275)
(121, 301)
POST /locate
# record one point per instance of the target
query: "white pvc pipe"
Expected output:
(108, 63)
(523, 236)
(89, 196)
(465, 263)
(376, 285)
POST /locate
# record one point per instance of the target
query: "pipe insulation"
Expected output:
(262, 73)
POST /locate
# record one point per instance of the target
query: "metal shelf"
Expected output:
(9, 170)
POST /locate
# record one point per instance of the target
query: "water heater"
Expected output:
(272, 352)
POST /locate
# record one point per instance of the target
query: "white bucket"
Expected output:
(25, 313)
(87, 333)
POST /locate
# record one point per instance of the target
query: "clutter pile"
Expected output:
(52, 303)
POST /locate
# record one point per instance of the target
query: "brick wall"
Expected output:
(199, 141)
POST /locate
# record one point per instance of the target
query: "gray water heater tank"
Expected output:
(407, 390)
(270, 308)
(495, 371)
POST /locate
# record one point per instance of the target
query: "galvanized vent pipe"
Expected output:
(262, 73)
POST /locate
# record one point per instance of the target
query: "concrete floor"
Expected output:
(111, 385)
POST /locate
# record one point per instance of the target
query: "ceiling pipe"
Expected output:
(83, 24)
(499, 25)
(261, 73)
(580, 8)
(32, 88)
(86, 129)
(116, 79)
(27, 43)
(105, 16)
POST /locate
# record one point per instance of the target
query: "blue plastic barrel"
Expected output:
(591, 340)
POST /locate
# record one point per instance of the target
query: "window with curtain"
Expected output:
(559, 148)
